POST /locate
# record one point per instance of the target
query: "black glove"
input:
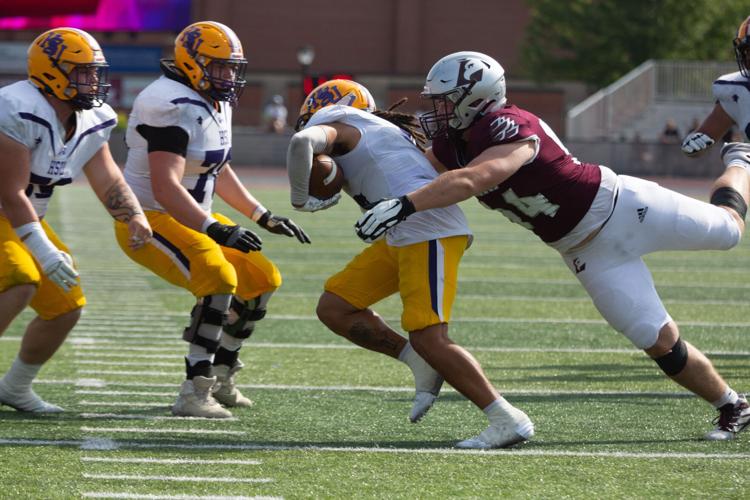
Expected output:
(237, 237)
(282, 225)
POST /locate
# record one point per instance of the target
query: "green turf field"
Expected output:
(331, 420)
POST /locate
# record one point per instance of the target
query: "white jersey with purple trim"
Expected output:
(732, 92)
(27, 117)
(386, 164)
(168, 103)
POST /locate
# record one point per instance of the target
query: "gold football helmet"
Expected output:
(210, 55)
(69, 64)
(742, 47)
(345, 92)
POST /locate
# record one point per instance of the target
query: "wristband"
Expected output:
(209, 220)
(258, 213)
(33, 236)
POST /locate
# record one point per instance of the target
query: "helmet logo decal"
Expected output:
(192, 40)
(325, 97)
(503, 128)
(468, 72)
(53, 46)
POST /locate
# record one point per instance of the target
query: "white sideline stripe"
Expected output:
(161, 431)
(168, 461)
(137, 496)
(378, 449)
(191, 479)
(130, 416)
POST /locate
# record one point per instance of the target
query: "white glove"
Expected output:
(736, 154)
(383, 216)
(314, 204)
(695, 143)
(56, 264)
(60, 271)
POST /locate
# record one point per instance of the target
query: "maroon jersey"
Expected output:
(549, 195)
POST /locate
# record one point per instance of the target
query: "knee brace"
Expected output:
(674, 361)
(203, 314)
(729, 197)
(248, 312)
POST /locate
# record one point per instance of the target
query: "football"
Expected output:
(326, 178)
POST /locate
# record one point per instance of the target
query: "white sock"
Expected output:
(407, 353)
(729, 397)
(498, 409)
(426, 378)
(20, 375)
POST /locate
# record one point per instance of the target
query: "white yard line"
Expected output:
(160, 431)
(168, 461)
(527, 451)
(361, 388)
(350, 347)
(130, 416)
(125, 393)
(135, 372)
(138, 496)
(158, 404)
(470, 319)
(126, 363)
(190, 479)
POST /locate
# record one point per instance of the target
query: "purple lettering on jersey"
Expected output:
(550, 195)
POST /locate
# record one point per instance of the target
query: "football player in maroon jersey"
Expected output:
(600, 222)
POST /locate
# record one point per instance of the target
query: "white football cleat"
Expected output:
(427, 382)
(515, 428)
(423, 401)
(26, 401)
(225, 391)
(195, 400)
(732, 419)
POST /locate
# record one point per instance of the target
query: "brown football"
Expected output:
(326, 178)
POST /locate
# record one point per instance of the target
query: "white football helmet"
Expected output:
(461, 86)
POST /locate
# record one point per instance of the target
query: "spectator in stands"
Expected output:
(670, 134)
(274, 115)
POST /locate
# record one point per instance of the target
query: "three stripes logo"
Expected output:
(642, 213)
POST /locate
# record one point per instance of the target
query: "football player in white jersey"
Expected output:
(732, 95)
(380, 153)
(53, 126)
(180, 140)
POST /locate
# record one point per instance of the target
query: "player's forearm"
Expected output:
(179, 204)
(230, 189)
(17, 208)
(302, 147)
(449, 188)
(121, 202)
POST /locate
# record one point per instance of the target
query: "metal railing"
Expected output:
(608, 111)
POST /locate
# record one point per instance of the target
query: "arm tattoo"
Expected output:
(121, 202)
